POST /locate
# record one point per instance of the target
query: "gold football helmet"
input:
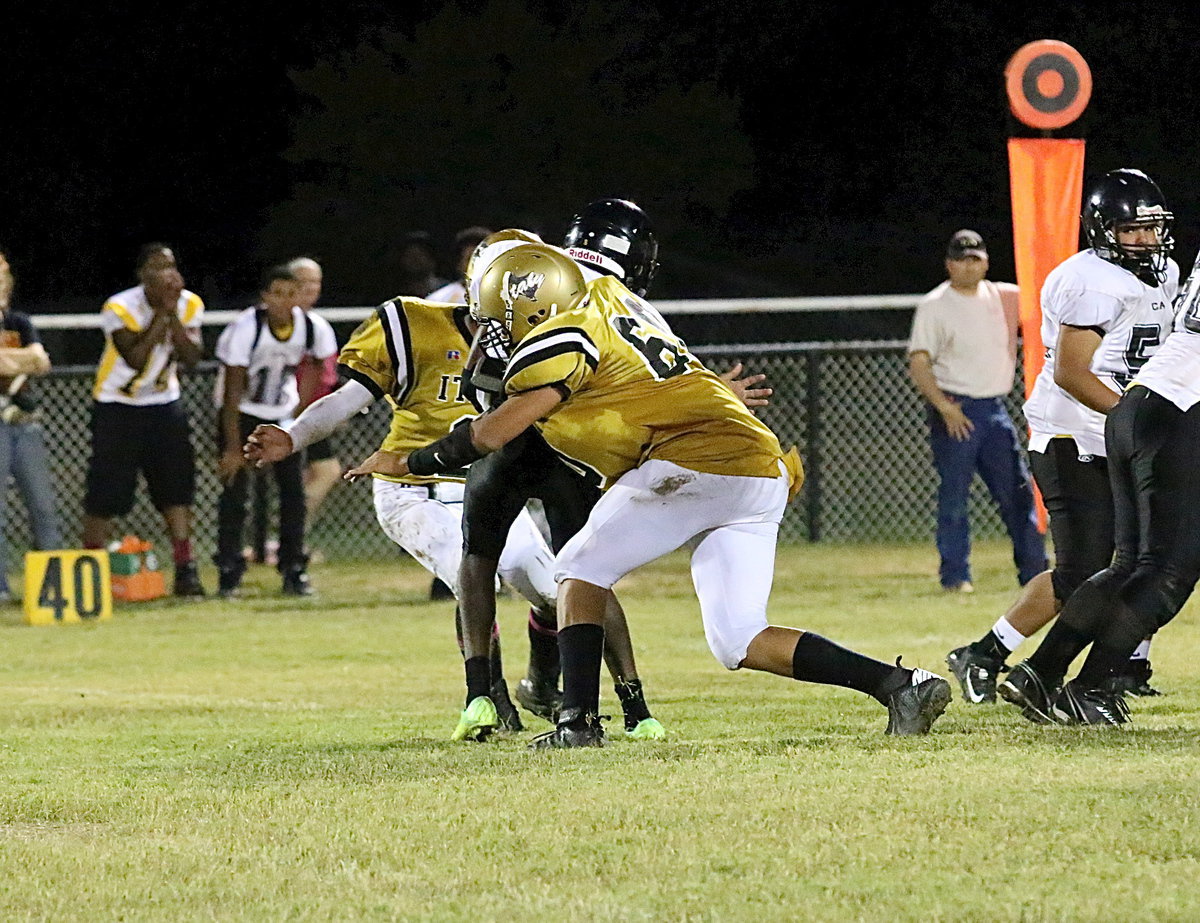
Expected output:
(489, 248)
(524, 286)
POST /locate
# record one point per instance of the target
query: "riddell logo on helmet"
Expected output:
(597, 259)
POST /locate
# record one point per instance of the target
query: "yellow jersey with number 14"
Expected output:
(412, 353)
(632, 392)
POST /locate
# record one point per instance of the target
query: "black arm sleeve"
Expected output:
(448, 454)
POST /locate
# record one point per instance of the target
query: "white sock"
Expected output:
(1142, 652)
(1007, 635)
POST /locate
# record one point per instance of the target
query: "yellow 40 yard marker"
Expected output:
(67, 586)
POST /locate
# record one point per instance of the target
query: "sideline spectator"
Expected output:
(416, 265)
(962, 357)
(22, 447)
(138, 419)
(260, 353)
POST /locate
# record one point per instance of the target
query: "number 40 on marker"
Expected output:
(67, 586)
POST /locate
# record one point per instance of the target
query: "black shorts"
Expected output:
(321, 450)
(1079, 500)
(499, 484)
(155, 440)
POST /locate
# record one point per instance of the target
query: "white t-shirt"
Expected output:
(271, 363)
(1132, 317)
(450, 293)
(156, 382)
(971, 339)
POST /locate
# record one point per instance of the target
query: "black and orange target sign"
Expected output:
(1049, 84)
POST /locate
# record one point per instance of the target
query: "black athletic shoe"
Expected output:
(187, 580)
(1134, 681)
(1026, 689)
(543, 699)
(575, 728)
(510, 718)
(1093, 707)
(229, 578)
(914, 707)
(976, 674)
(296, 582)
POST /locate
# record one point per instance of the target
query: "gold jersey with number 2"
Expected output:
(412, 352)
(632, 392)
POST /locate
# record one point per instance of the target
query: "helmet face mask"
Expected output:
(1123, 201)
(615, 237)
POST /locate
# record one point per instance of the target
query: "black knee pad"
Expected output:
(1155, 595)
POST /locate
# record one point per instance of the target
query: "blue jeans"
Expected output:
(995, 452)
(23, 456)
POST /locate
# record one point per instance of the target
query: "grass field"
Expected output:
(271, 760)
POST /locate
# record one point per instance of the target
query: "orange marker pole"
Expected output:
(1049, 85)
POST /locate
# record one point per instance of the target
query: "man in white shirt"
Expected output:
(962, 357)
(138, 419)
(260, 353)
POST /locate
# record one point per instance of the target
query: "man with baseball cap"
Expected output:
(962, 357)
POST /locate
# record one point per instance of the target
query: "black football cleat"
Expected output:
(296, 582)
(1026, 689)
(1091, 707)
(1133, 680)
(575, 728)
(510, 718)
(543, 699)
(914, 707)
(187, 580)
(976, 674)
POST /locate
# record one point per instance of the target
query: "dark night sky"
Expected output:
(871, 135)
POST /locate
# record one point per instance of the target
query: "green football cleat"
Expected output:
(647, 729)
(477, 721)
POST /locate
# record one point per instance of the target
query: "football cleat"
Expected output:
(1026, 689)
(540, 698)
(296, 582)
(647, 729)
(477, 720)
(510, 718)
(229, 578)
(1092, 707)
(914, 707)
(1135, 680)
(187, 580)
(976, 674)
(575, 728)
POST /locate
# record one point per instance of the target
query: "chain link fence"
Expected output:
(849, 407)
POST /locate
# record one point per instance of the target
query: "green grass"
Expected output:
(272, 760)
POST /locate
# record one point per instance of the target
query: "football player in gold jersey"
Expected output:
(410, 352)
(685, 463)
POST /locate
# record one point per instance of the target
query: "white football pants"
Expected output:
(426, 521)
(730, 523)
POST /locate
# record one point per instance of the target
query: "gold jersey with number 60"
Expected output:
(412, 352)
(632, 392)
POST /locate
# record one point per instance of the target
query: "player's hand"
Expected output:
(744, 387)
(229, 464)
(267, 444)
(392, 464)
(958, 424)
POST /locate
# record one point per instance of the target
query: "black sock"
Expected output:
(819, 660)
(633, 702)
(543, 652)
(1058, 649)
(990, 646)
(1102, 663)
(581, 648)
(479, 677)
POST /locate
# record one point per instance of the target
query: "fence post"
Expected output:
(812, 479)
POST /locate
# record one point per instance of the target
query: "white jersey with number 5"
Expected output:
(1132, 318)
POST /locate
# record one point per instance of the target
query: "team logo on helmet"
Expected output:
(513, 287)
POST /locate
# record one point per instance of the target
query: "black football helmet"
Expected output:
(1128, 198)
(614, 236)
